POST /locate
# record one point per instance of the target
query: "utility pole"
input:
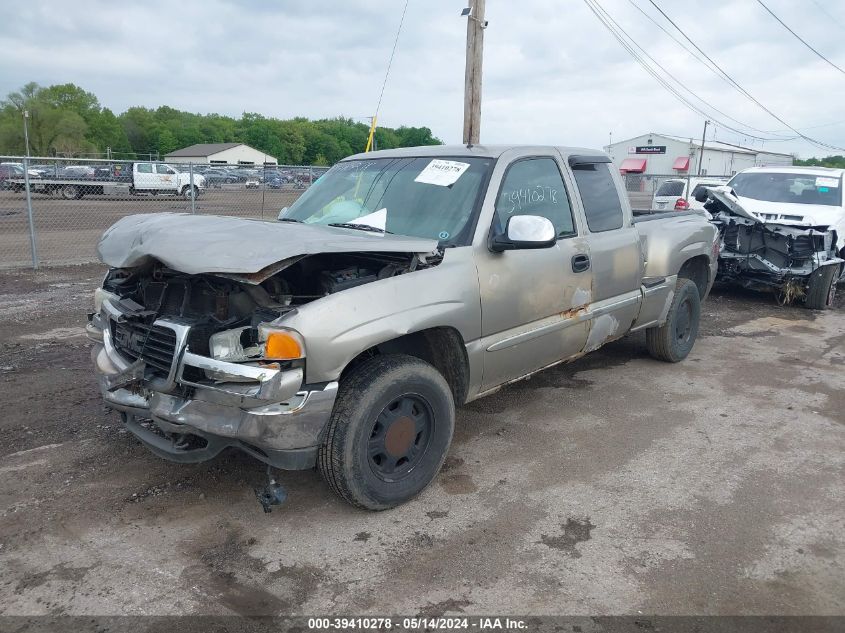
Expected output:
(472, 75)
(701, 155)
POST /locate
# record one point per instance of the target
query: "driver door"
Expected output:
(530, 299)
(167, 177)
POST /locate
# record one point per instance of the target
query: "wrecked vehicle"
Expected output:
(782, 230)
(402, 284)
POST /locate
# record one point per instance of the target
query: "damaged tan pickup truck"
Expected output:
(402, 284)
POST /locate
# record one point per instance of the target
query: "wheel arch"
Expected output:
(442, 347)
(697, 270)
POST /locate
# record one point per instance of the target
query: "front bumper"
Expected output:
(267, 413)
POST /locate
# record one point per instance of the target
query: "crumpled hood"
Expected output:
(811, 214)
(196, 244)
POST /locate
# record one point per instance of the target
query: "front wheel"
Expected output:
(389, 432)
(187, 193)
(673, 341)
(821, 290)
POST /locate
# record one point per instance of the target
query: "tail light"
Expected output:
(681, 204)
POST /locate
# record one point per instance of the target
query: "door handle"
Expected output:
(580, 263)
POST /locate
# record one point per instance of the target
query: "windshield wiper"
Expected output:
(360, 227)
(289, 220)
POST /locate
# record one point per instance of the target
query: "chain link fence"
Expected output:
(54, 210)
(642, 188)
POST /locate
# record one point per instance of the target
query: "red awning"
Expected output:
(633, 166)
(681, 163)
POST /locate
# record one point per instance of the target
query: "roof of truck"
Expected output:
(481, 151)
(796, 169)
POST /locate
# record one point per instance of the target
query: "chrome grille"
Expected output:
(155, 344)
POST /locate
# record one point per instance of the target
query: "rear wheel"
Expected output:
(673, 341)
(389, 432)
(821, 290)
(71, 192)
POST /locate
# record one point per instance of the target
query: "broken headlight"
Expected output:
(101, 295)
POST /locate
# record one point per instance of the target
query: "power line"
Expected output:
(670, 75)
(392, 53)
(817, 143)
(798, 37)
(693, 54)
(606, 21)
(828, 14)
(697, 58)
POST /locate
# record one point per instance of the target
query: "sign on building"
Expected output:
(647, 149)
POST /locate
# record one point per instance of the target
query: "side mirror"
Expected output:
(525, 231)
(701, 195)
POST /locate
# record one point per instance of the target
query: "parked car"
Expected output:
(409, 282)
(252, 182)
(9, 171)
(45, 170)
(679, 193)
(217, 176)
(274, 182)
(782, 229)
(32, 172)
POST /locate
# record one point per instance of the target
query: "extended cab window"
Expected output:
(164, 169)
(599, 195)
(534, 186)
(145, 168)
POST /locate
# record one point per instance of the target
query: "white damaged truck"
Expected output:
(400, 286)
(782, 229)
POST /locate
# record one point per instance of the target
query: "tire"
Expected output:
(71, 192)
(187, 193)
(389, 432)
(673, 341)
(822, 288)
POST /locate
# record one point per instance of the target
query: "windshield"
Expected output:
(788, 188)
(420, 197)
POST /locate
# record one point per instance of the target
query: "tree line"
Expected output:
(828, 161)
(65, 120)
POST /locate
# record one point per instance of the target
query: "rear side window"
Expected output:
(534, 186)
(599, 196)
(671, 188)
(145, 168)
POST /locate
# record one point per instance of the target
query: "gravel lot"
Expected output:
(614, 485)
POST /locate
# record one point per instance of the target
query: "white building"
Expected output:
(221, 154)
(664, 154)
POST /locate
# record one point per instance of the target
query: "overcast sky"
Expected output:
(552, 73)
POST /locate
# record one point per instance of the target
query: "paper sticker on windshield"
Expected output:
(826, 181)
(441, 172)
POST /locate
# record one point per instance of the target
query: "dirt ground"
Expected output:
(614, 485)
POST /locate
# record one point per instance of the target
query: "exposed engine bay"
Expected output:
(768, 255)
(212, 303)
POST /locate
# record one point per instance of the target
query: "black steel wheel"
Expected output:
(400, 437)
(673, 341)
(389, 432)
